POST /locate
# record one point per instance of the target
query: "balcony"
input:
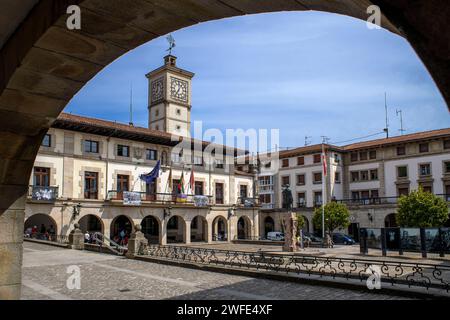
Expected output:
(380, 200)
(248, 202)
(43, 194)
(136, 198)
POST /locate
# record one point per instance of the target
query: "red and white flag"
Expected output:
(192, 180)
(324, 163)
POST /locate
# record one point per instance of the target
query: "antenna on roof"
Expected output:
(131, 105)
(399, 112)
(386, 129)
(307, 140)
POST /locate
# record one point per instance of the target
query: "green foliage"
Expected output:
(300, 222)
(336, 217)
(421, 209)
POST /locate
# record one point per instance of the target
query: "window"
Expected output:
(219, 164)
(355, 176)
(337, 177)
(364, 175)
(285, 163)
(425, 169)
(47, 141)
(176, 157)
(374, 193)
(151, 154)
(150, 191)
(317, 177)
(157, 113)
(363, 156)
(301, 179)
(447, 144)
(427, 188)
(178, 112)
(123, 151)
(301, 199)
(156, 127)
(447, 167)
(285, 180)
(403, 191)
(219, 193)
(198, 161)
(353, 156)
(265, 198)
(355, 195)
(423, 147)
(401, 150)
(402, 172)
(374, 174)
(90, 185)
(300, 161)
(123, 184)
(198, 186)
(318, 198)
(178, 128)
(41, 177)
(90, 146)
(243, 191)
(373, 154)
(317, 158)
(365, 194)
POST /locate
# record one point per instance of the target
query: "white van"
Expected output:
(275, 236)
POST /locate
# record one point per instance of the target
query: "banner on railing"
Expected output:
(131, 198)
(200, 201)
(43, 194)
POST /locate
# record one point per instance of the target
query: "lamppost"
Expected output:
(167, 212)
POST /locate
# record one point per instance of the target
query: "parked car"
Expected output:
(312, 237)
(275, 236)
(340, 238)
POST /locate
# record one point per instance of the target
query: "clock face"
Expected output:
(157, 90)
(179, 89)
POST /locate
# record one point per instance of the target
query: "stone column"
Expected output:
(163, 233)
(134, 243)
(209, 231)
(76, 238)
(290, 232)
(187, 232)
(256, 224)
(11, 239)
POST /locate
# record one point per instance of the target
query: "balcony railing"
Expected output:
(267, 205)
(45, 194)
(248, 202)
(380, 200)
(162, 198)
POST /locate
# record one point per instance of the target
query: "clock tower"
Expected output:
(169, 98)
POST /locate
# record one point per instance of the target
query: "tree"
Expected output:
(421, 209)
(300, 223)
(337, 216)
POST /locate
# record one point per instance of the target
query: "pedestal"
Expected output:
(135, 241)
(76, 238)
(290, 232)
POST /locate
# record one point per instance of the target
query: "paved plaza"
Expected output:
(112, 277)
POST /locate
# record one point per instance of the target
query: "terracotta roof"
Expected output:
(315, 148)
(116, 129)
(399, 139)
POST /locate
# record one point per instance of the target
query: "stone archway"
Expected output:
(91, 223)
(199, 229)
(269, 225)
(390, 221)
(150, 228)
(40, 226)
(43, 64)
(176, 229)
(244, 228)
(220, 229)
(121, 229)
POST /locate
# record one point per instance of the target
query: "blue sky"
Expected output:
(305, 73)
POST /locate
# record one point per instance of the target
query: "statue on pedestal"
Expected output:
(289, 222)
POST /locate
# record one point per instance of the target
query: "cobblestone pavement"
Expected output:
(111, 277)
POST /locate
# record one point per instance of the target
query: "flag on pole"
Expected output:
(192, 181)
(181, 184)
(169, 180)
(152, 175)
(324, 163)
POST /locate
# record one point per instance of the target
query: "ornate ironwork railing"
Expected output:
(389, 272)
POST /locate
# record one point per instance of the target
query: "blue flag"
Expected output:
(152, 175)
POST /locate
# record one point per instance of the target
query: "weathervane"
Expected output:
(171, 41)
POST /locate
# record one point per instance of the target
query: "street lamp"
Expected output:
(231, 211)
(76, 209)
(167, 212)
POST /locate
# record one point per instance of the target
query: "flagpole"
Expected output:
(323, 191)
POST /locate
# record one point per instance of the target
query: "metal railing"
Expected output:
(248, 202)
(164, 198)
(390, 272)
(101, 240)
(47, 237)
(381, 200)
(40, 193)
